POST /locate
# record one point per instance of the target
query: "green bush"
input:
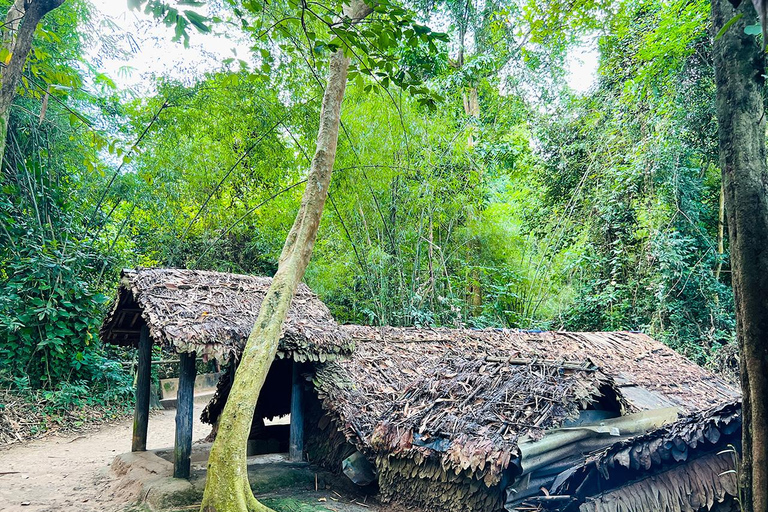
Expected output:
(49, 313)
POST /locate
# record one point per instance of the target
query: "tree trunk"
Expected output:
(227, 488)
(739, 68)
(471, 108)
(471, 102)
(17, 33)
(720, 233)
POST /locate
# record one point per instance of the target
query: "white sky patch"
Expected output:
(133, 49)
(138, 48)
(581, 65)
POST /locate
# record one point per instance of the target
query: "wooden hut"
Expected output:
(470, 419)
(210, 315)
(445, 419)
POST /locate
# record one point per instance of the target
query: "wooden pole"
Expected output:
(141, 413)
(185, 399)
(296, 438)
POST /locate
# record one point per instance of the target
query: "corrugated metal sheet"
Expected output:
(541, 461)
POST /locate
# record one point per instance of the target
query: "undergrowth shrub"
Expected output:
(106, 394)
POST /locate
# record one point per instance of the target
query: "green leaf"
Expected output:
(198, 21)
(730, 22)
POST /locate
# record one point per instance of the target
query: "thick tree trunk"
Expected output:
(720, 233)
(227, 488)
(739, 69)
(17, 33)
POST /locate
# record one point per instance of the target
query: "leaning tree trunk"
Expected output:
(17, 33)
(227, 488)
(739, 69)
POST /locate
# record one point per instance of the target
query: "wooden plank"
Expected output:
(185, 399)
(156, 361)
(141, 413)
(124, 331)
(296, 436)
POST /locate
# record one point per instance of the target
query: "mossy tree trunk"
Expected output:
(739, 76)
(227, 488)
(17, 33)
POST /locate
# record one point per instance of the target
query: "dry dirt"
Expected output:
(72, 472)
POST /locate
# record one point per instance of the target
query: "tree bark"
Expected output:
(227, 488)
(739, 68)
(720, 233)
(17, 33)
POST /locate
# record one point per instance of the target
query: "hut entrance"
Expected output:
(270, 431)
(277, 425)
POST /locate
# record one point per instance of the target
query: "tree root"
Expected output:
(232, 498)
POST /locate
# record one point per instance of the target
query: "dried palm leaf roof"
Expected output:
(466, 397)
(708, 430)
(694, 447)
(694, 486)
(212, 313)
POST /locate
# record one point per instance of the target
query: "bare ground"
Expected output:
(72, 472)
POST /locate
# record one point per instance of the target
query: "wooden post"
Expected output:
(141, 413)
(296, 439)
(185, 402)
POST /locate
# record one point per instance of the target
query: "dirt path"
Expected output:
(71, 473)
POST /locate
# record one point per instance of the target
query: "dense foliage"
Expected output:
(57, 252)
(471, 187)
(636, 162)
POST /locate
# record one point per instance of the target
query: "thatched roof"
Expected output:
(691, 487)
(212, 313)
(681, 466)
(467, 397)
(672, 443)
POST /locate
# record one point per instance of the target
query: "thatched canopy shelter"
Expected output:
(449, 418)
(212, 313)
(456, 408)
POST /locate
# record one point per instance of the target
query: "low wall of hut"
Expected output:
(324, 442)
(429, 486)
(419, 483)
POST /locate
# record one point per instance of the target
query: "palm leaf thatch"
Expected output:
(447, 404)
(683, 466)
(212, 313)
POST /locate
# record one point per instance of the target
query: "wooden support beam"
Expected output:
(184, 415)
(156, 361)
(123, 331)
(296, 438)
(141, 413)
